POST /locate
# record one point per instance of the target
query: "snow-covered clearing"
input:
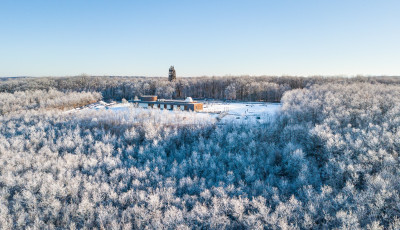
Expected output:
(224, 112)
(243, 111)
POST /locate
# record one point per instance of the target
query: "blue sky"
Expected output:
(143, 38)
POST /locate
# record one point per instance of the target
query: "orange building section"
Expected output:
(148, 98)
(198, 106)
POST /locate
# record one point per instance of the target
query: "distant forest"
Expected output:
(244, 88)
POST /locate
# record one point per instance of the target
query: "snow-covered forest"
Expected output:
(45, 99)
(329, 160)
(246, 88)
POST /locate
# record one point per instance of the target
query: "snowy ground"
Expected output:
(224, 112)
(243, 111)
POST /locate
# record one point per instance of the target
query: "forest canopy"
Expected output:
(245, 88)
(329, 160)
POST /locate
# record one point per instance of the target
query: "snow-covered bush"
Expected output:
(45, 99)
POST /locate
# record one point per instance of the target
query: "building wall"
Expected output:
(162, 106)
(198, 107)
(148, 98)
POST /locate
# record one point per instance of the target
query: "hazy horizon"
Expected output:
(218, 76)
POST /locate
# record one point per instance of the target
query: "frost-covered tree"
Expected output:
(329, 160)
(230, 92)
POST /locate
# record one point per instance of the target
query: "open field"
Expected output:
(243, 111)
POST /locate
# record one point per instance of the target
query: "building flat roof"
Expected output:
(171, 102)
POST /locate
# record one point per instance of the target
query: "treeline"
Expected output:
(45, 99)
(329, 161)
(243, 88)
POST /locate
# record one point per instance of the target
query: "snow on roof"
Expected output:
(188, 99)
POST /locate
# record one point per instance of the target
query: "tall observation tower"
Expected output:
(172, 74)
